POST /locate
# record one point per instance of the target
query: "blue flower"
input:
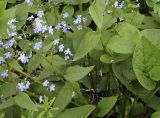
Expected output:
(65, 15)
(24, 59)
(40, 14)
(45, 83)
(8, 55)
(52, 87)
(1, 60)
(38, 46)
(4, 74)
(79, 27)
(50, 30)
(61, 48)
(29, 3)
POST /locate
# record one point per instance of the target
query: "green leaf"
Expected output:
(58, 60)
(21, 14)
(7, 15)
(153, 36)
(63, 99)
(8, 89)
(146, 63)
(69, 10)
(2, 7)
(51, 17)
(105, 105)
(11, 1)
(88, 43)
(24, 44)
(112, 59)
(24, 101)
(134, 18)
(78, 112)
(34, 62)
(75, 73)
(124, 72)
(155, 114)
(102, 19)
(14, 64)
(126, 39)
(10, 102)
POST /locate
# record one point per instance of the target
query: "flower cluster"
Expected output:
(79, 20)
(40, 24)
(61, 48)
(22, 86)
(118, 5)
(62, 26)
(46, 84)
(12, 27)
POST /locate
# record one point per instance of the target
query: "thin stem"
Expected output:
(10, 75)
(25, 74)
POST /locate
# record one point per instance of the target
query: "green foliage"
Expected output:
(76, 73)
(24, 101)
(105, 105)
(79, 112)
(79, 58)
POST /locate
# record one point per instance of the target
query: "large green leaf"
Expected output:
(124, 72)
(58, 60)
(105, 105)
(76, 73)
(7, 15)
(51, 17)
(97, 12)
(24, 101)
(88, 43)
(2, 7)
(8, 89)
(146, 64)
(125, 41)
(11, 1)
(63, 99)
(8, 103)
(21, 14)
(78, 112)
(34, 62)
(153, 36)
(155, 114)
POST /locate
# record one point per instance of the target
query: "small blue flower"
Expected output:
(4, 74)
(65, 15)
(21, 86)
(8, 55)
(27, 85)
(41, 99)
(52, 87)
(38, 46)
(24, 59)
(1, 60)
(61, 48)
(9, 43)
(1, 43)
(29, 3)
(30, 18)
(50, 30)
(56, 42)
(45, 83)
(40, 14)
(79, 27)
